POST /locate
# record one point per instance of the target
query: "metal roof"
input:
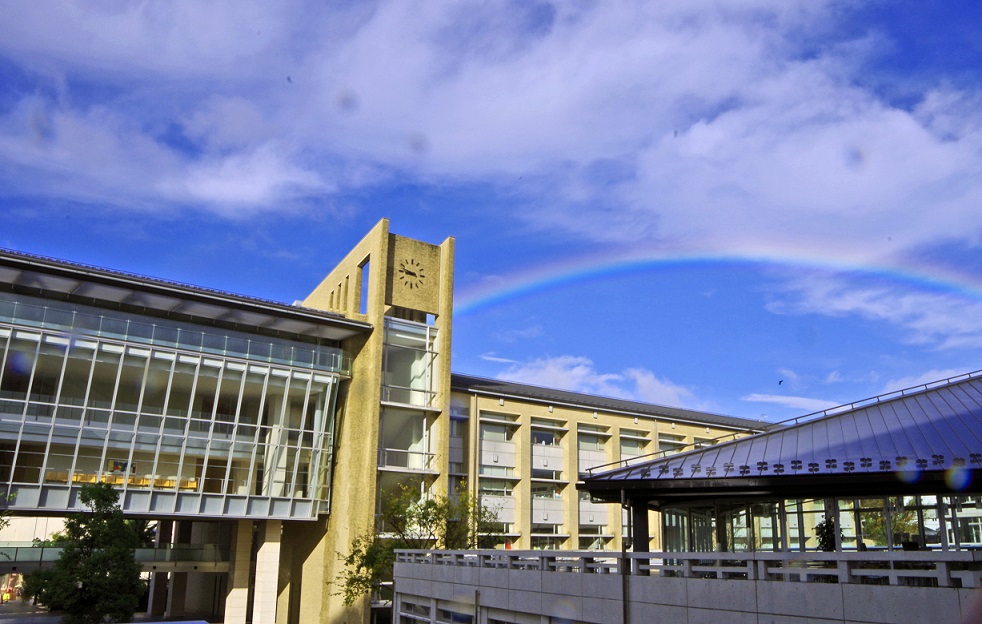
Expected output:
(928, 437)
(509, 389)
(50, 277)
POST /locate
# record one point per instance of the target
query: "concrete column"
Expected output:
(639, 519)
(237, 599)
(157, 602)
(267, 575)
(178, 591)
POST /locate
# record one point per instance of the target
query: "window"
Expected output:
(458, 428)
(445, 616)
(408, 363)
(547, 490)
(547, 543)
(631, 447)
(552, 475)
(496, 471)
(496, 433)
(589, 442)
(500, 528)
(548, 438)
(495, 487)
(592, 538)
(669, 443)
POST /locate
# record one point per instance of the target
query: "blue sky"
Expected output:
(755, 208)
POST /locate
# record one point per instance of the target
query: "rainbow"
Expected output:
(494, 290)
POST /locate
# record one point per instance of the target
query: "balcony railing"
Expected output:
(406, 460)
(920, 568)
(407, 396)
(42, 556)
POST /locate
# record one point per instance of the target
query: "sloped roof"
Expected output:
(30, 273)
(926, 439)
(505, 389)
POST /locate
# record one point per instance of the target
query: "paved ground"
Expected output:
(20, 612)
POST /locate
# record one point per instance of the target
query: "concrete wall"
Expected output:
(507, 594)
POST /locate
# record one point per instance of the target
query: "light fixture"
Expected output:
(550, 409)
(673, 425)
(594, 415)
(635, 420)
(501, 401)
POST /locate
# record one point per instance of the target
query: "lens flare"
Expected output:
(958, 478)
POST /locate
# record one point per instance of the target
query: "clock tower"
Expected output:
(394, 414)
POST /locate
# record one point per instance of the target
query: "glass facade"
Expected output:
(181, 420)
(870, 524)
(408, 364)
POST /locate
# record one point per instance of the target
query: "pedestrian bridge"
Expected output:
(25, 557)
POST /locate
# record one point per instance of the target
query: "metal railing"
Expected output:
(923, 568)
(406, 460)
(207, 553)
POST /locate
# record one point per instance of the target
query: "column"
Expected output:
(237, 600)
(639, 518)
(178, 592)
(157, 602)
(267, 575)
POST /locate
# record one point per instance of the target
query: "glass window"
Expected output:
(588, 442)
(631, 447)
(496, 433)
(669, 443)
(547, 490)
(494, 487)
(408, 360)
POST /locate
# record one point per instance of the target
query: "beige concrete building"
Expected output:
(523, 448)
(269, 432)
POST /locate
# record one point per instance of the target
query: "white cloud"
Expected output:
(794, 402)
(731, 127)
(491, 357)
(926, 377)
(833, 377)
(579, 374)
(789, 377)
(933, 319)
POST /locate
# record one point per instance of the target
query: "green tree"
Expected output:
(4, 513)
(406, 521)
(145, 530)
(825, 532)
(903, 522)
(97, 578)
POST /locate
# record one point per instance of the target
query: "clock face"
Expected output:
(411, 273)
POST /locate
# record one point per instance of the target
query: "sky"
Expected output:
(761, 208)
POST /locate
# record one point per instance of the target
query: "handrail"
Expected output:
(941, 568)
(175, 553)
(423, 460)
